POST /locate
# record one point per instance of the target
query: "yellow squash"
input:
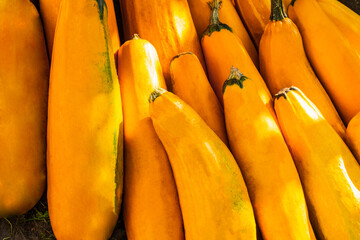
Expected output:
(85, 129)
(49, 10)
(347, 21)
(24, 76)
(335, 61)
(265, 161)
(213, 197)
(255, 15)
(222, 50)
(353, 136)
(283, 63)
(328, 171)
(187, 78)
(167, 25)
(151, 207)
(201, 13)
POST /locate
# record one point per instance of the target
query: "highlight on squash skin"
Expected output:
(85, 126)
(24, 74)
(258, 146)
(151, 208)
(201, 12)
(49, 10)
(347, 21)
(222, 50)
(167, 25)
(328, 171)
(190, 83)
(334, 60)
(283, 63)
(353, 136)
(209, 182)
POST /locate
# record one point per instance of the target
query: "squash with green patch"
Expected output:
(85, 130)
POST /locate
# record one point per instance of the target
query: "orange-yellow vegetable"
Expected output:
(353, 136)
(24, 75)
(213, 197)
(151, 207)
(265, 161)
(222, 50)
(347, 21)
(49, 10)
(283, 63)
(167, 25)
(84, 164)
(187, 78)
(255, 15)
(328, 171)
(335, 62)
(201, 13)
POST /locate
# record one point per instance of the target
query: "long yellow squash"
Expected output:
(187, 78)
(353, 136)
(167, 25)
(49, 10)
(151, 207)
(283, 63)
(329, 172)
(335, 62)
(85, 151)
(24, 74)
(222, 50)
(201, 13)
(347, 21)
(213, 197)
(265, 161)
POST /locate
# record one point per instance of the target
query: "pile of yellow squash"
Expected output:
(213, 120)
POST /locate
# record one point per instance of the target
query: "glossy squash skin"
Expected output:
(347, 21)
(49, 10)
(353, 136)
(269, 172)
(149, 185)
(255, 15)
(283, 63)
(24, 74)
(201, 13)
(223, 50)
(213, 197)
(167, 25)
(187, 78)
(328, 171)
(85, 126)
(335, 62)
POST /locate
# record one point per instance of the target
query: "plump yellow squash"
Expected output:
(328, 171)
(24, 76)
(85, 130)
(213, 197)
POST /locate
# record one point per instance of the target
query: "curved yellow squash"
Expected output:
(187, 77)
(24, 75)
(283, 63)
(85, 152)
(335, 61)
(328, 171)
(151, 207)
(265, 161)
(213, 197)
